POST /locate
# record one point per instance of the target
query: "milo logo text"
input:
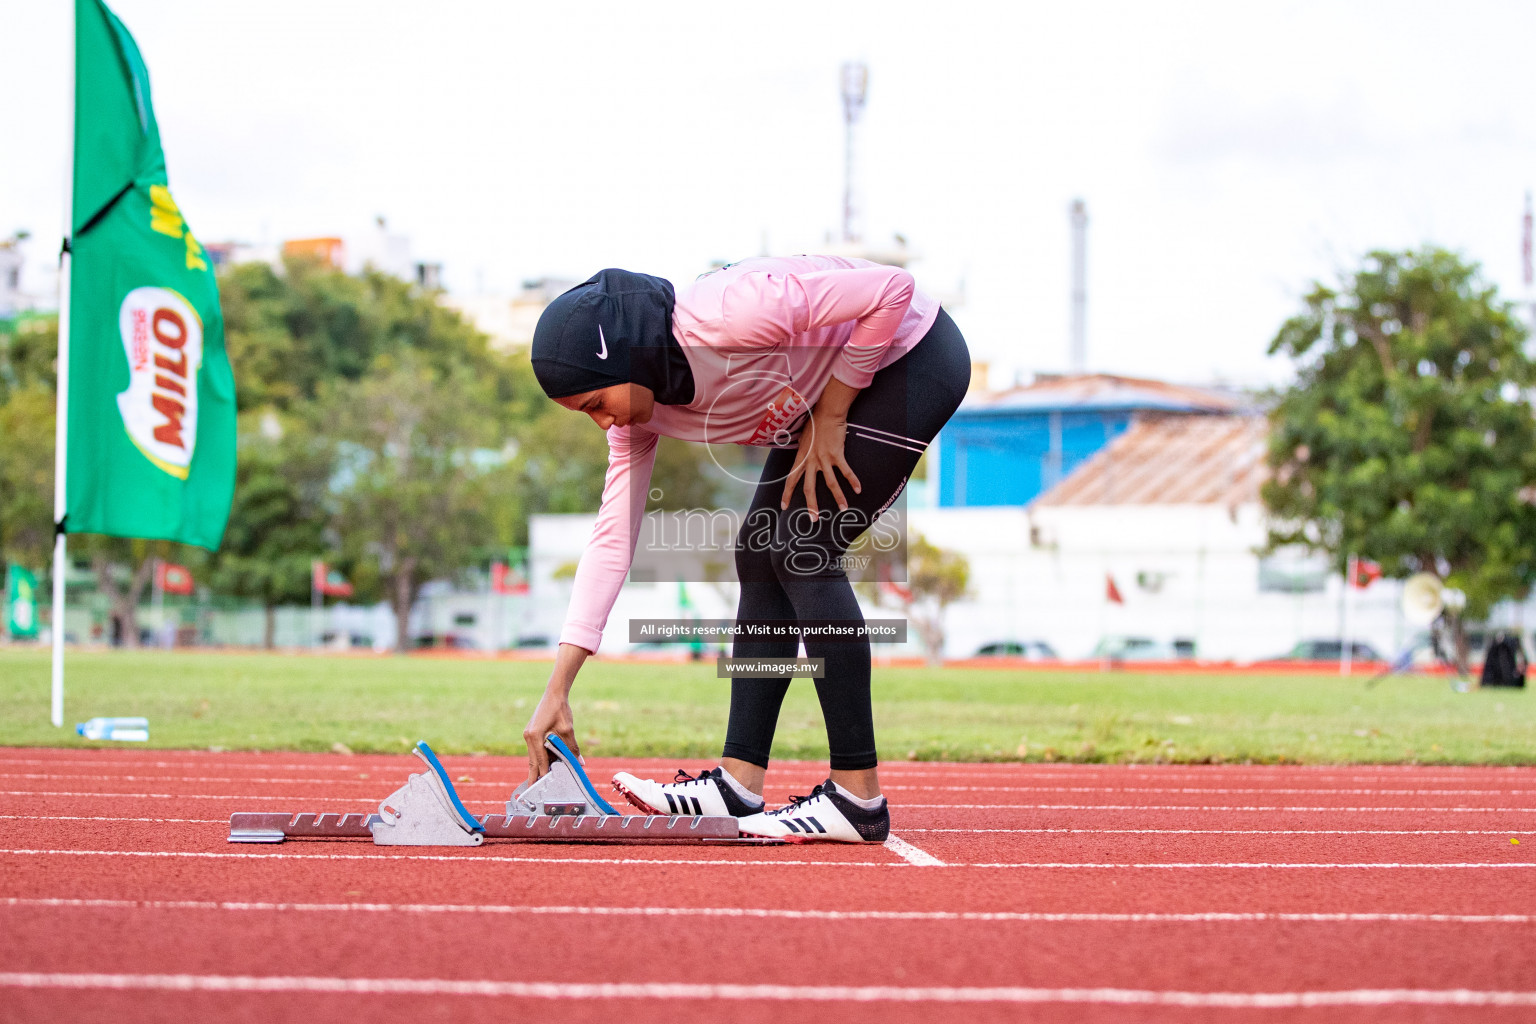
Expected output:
(163, 339)
(773, 430)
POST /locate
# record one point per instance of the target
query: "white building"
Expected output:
(1168, 515)
(15, 297)
(1167, 518)
(509, 320)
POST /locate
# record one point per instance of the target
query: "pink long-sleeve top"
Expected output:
(762, 337)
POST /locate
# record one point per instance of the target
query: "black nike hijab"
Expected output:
(613, 328)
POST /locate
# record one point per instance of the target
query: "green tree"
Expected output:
(26, 476)
(936, 578)
(559, 466)
(1407, 437)
(293, 331)
(28, 350)
(278, 520)
(123, 568)
(29, 347)
(410, 485)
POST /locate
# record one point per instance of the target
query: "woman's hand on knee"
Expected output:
(821, 453)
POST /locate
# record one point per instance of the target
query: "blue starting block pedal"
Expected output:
(426, 811)
(562, 806)
(566, 790)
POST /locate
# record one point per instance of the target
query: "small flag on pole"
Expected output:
(506, 579)
(1365, 573)
(1112, 592)
(20, 603)
(330, 583)
(173, 579)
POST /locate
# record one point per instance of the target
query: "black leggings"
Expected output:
(799, 577)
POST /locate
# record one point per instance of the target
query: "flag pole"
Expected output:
(158, 600)
(61, 408)
(314, 602)
(1347, 649)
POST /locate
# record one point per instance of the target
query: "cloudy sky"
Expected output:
(1228, 153)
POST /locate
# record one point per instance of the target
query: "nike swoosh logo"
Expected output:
(602, 353)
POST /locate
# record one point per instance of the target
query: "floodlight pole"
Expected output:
(1077, 355)
(316, 600)
(855, 82)
(1528, 272)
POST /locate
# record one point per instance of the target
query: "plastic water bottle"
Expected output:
(131, 729)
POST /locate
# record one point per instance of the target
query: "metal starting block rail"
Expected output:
(562, 806)
(262, 827)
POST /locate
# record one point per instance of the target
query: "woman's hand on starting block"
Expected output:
(553, 714)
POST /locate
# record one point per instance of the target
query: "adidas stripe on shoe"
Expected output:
(708, 793)
(824, 816)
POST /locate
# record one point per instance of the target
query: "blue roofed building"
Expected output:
(1009, 447)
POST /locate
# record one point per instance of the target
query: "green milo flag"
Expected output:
(21, 603)
(151, 396)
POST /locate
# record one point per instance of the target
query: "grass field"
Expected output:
(300, 702)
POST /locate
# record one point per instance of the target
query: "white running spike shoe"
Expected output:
(709, 794)
(824, 816)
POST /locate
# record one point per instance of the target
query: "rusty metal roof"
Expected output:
(1172, 459)
(1100, 391)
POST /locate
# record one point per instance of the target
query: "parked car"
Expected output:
(1330, 650)
(533, 642)
(1033, 650)
(344, 641)
(1143, 648)
(445, 642)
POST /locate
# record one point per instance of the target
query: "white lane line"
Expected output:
(312, 798)
(369, 782)
(911, 854)
(1036, 769)
(1028, 917)
(973, 831)
(476, 858)
(1182, 790)
(85, 817)
(1237, 831)
(1124, 775)
(461, 858)
(177, 796)
(1263, 865)
(195, 778)
(1225, 808)
(1124, 790)
(762, 993)
(352, 765)
(1161, 773)
(1510, 832)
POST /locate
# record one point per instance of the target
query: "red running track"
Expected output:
(1039, 892)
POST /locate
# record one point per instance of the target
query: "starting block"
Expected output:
(426, 811)
(566, 790)
(562, 806)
